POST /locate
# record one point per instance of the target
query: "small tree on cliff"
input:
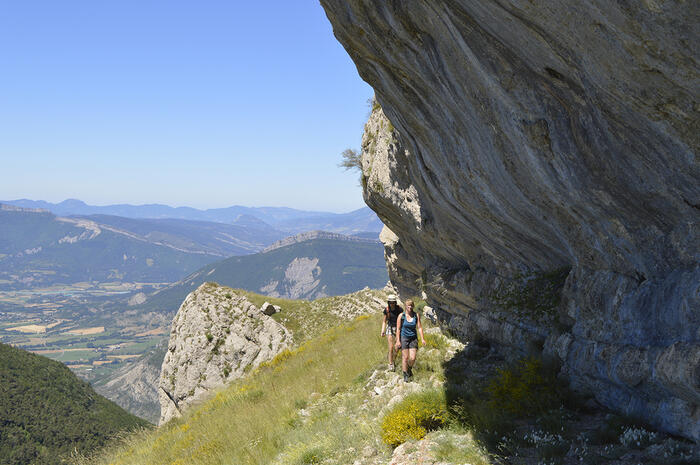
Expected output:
(351, 160)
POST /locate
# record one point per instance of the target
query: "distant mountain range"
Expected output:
(285, 219)
(309, 266)
(39, 249)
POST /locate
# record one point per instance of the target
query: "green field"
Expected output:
(75, 355)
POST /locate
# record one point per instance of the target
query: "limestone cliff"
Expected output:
(535, 164)
(216, 336)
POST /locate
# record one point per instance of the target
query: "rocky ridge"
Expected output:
(535, 164)
(311, 235)
(216, 336)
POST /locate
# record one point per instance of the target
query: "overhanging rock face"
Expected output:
(535, 164)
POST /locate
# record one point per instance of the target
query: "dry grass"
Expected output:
(255, 418)
(29, 329)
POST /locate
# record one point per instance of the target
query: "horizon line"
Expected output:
(181, 206)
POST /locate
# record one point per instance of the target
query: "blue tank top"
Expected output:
(408, 328)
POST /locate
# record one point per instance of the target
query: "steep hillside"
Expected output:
(134, 386)
(306, 268)
(536, 166)
(46, 412)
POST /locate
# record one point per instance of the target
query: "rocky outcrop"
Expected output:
(535, 164)
(216, 336)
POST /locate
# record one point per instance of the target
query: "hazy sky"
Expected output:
(205, 104)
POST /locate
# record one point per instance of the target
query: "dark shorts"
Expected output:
(409, 342)
(391, 331)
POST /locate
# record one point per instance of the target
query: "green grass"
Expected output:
(303, 318)
(74, 356)
(254, 419)
(137, 347)
(459, 448)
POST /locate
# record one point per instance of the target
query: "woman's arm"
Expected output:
(420, 329)
(383, 325)
(398, 331)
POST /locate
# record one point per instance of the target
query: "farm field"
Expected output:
(88, 327)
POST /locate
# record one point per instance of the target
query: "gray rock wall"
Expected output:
(535, 164)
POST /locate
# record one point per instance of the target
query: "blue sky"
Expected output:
(205, 104)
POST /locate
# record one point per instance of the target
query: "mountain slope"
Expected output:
(310, 269)
(244, 235)
(134, 386)
(47, 412)
(40, 249)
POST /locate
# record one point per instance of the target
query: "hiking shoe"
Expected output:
(392, 367)
(410, 372)
(406, 378)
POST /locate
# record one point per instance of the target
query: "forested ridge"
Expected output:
(46, 412)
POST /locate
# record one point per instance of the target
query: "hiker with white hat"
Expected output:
(391, 315)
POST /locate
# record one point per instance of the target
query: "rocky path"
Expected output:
(588, 434)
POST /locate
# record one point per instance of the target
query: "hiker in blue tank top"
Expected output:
(408, 327)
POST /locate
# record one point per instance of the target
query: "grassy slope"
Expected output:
(46, 411)
(331, 401)
(306, 319)
(255, 418)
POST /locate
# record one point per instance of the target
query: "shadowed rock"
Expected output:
(535, 164)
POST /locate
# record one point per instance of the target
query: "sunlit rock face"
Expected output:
(217, 336)
(535, 165)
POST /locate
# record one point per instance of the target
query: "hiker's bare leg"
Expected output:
(404, 359)
(392, 350)
(412, 357)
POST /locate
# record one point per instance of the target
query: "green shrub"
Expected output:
(419, 303)
(311, 456)
(435, 341)
(414, 416)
